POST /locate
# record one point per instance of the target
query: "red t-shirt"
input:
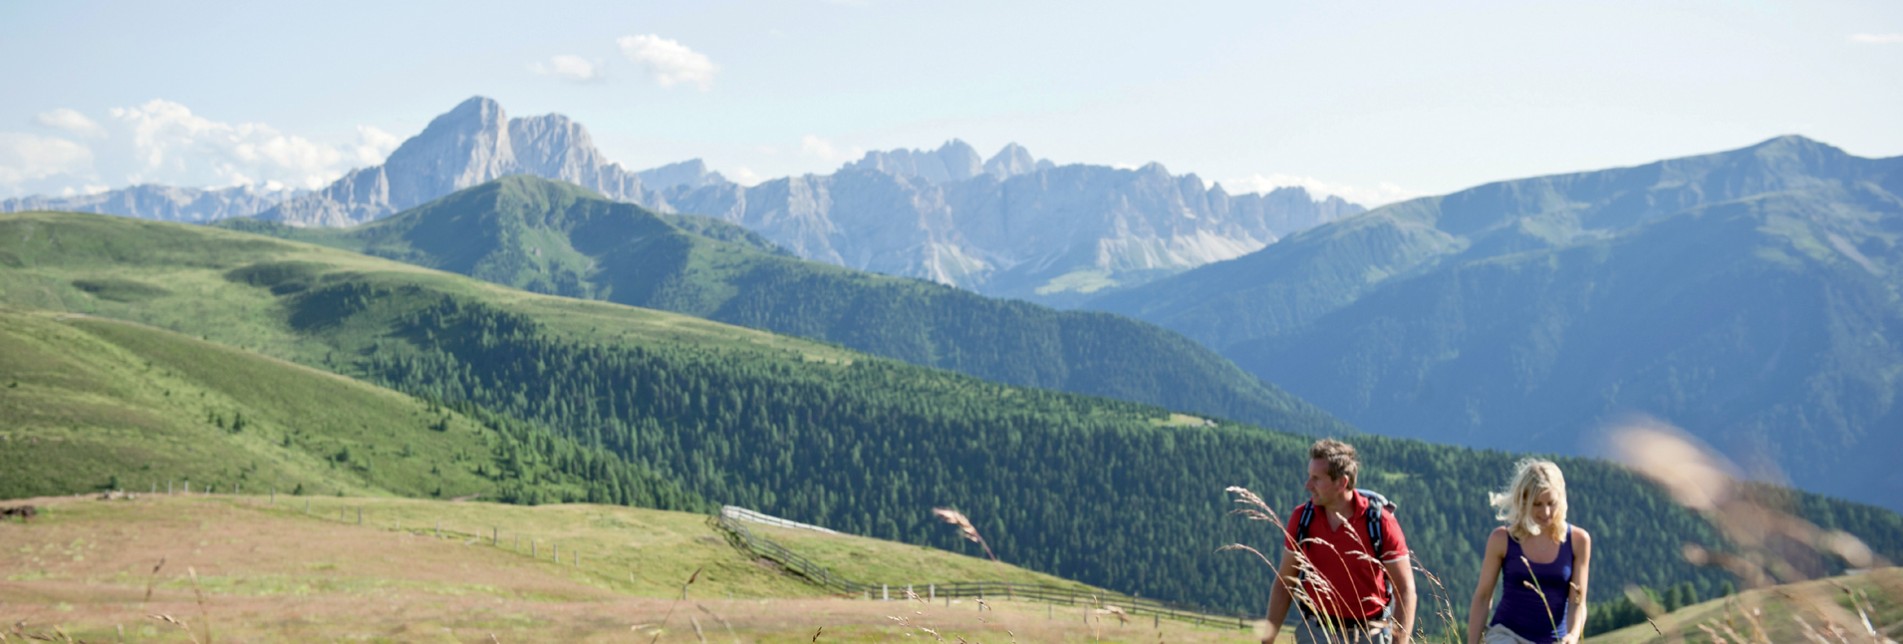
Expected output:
(1356, 588)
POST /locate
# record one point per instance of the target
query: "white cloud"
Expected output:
(668, 61)
(70, 120)
(89, 189)
(1382, 194)
(374, 145)
(27, 158)
(744, 176)
(813, 146)
(1876, 39)
(574, 68)
(163, 142)
(170, 143)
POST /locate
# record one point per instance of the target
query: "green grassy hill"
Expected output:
(553, 237)
(96, 404)
(1115, 494)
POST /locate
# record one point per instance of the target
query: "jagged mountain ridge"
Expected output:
(1012, 225)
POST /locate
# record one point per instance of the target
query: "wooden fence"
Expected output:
(737, 533)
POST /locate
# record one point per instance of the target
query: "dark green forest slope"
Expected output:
(1115, 494)
(553, 237)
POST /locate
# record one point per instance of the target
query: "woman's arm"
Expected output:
(1582, 564)
(1489, 577)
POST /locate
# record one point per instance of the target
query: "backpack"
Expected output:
(1376, 503)
(1372, 518)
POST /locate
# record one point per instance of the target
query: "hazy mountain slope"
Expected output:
(1310, 273)
(1740, 321)
(1751, 296)
(552, 237)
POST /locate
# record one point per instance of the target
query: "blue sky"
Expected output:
(1374, 101)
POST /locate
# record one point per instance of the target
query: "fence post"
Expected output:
(188, 487)
(1156, 620)
(932, 591)
(495, 536)
(168, 488)
(359, 515)
(531, 547)
(885, 592)
(439, 528)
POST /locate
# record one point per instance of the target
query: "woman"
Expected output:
(1544, 560)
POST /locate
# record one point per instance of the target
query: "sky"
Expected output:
(1371, 101)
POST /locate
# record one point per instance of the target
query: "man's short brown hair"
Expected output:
(1340, 457)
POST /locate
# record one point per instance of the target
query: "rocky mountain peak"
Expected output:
(472, 143)
(1012, 161)
(954, 161)
(692, 173)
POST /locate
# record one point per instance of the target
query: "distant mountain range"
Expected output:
(1750, 296)
(161, 203)
(553, 237)
(1013, 225)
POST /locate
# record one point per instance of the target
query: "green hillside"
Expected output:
(553, 237)
(99, 404)
(1115, 494)
(1754, 297)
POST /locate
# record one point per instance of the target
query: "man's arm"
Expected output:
(1401, 574)
(1280, 597)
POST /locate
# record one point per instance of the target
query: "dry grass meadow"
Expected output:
(221, 568)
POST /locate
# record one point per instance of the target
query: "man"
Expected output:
(1356, 585)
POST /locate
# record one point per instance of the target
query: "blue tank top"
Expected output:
(1520, 608)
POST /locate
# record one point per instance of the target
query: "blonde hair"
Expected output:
(1514, 507)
